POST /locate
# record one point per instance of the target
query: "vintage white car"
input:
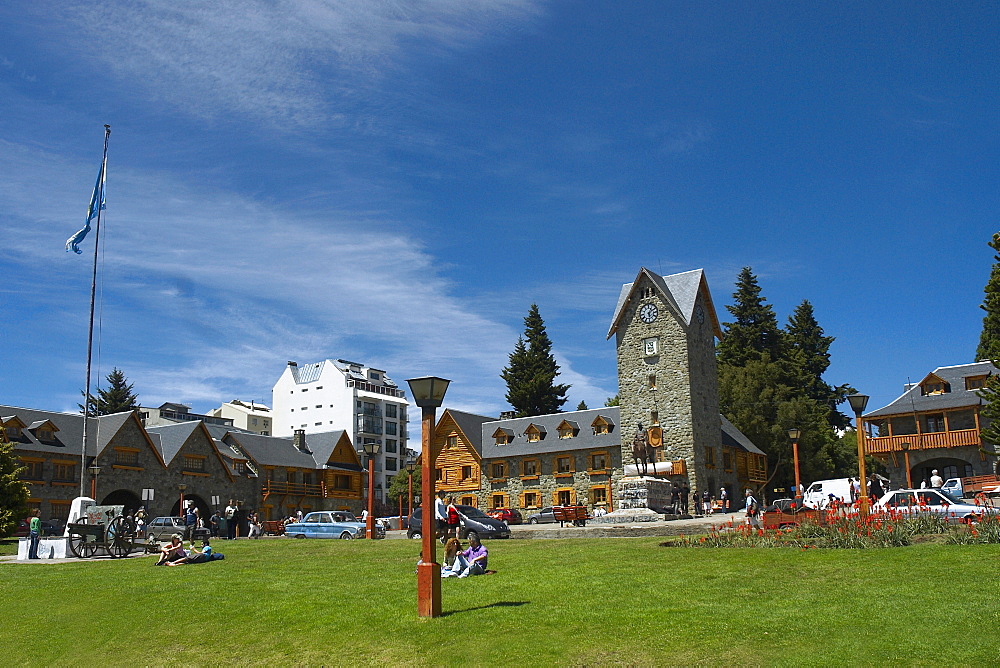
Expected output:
(917, 501)
(330, 524)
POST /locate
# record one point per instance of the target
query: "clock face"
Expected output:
(699, 313)
(648, 313)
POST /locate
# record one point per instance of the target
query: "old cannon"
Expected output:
(100, 527)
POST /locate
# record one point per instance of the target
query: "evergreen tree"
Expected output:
(13, 491)
(809, 356)
(117, 398)
(531, 371)
(399, 487)
(989, 338)
(582, 406)
(613, 401)
(755, 332)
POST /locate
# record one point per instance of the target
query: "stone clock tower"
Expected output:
(665, 329)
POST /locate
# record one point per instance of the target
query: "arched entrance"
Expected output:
(947, 467)
(123, 497)
(204, 511)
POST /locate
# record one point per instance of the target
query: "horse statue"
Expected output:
(642, 451)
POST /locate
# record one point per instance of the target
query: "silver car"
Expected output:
(916, 501)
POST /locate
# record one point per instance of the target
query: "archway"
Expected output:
(123, 497)
(204, 510)
(947, 467)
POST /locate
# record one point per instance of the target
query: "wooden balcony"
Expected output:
(939, 439)
(293, 488)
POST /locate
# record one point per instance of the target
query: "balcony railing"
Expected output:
(376, 389)
(936, 439)
(294, 488)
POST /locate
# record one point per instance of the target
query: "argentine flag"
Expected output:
(96, 204)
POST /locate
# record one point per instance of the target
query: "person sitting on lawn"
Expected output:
(454, 561)
(477, 555)
(195, 556)
(173, 550)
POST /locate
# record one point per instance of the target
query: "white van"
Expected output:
(818, 494)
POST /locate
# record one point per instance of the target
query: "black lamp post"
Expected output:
(858, 403)
(371, 449)
(428, 393)
(794, 434)
(95, 471)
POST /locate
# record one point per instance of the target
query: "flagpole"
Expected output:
(90, 332)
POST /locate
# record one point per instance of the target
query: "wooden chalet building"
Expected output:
(458, 464)
(934, 424)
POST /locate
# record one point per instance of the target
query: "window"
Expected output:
(438, 475)
(390, 445)
(710, 457)
(975, 382)
(565, 432)
(650, 346)
(33, 471)
(390, 463)
(390, 428)
(599, 461)
(498, 501)
(727, 459)
(598, 495)
(469, 501)
(564, 464)
(253, 421)
(530, 499)
(289, 475)
(66, 472)
(529, 467)
(503, 437)
(497, 469)
(654, 417)
(933, 422)
(126, 457)
(374, 375)
(533, 434)
(342, 482)
(14, 433)
(390, 410)
(192, 463)
(451, 441)
(240, 468)
(651, 381)
(44, 434)
(466, 472)
(307, 478)
(564, 497)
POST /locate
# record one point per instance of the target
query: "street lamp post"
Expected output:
(858, 403)
(428, 393)
(180, 508)
(905, 447)
(371, 449)
(794, 434)
(410, 465)
(95, 471)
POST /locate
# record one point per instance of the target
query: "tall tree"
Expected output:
(116, 398)
(755, 333)
(582, 406)
(13, 490)
(531, 371)
(989, 338)
(400, 486)
(809, 356)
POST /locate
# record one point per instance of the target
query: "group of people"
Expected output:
(448, 518)
(174, 554)
(681, 497)
(459, 563)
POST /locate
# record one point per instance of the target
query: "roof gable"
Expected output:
(679, 291)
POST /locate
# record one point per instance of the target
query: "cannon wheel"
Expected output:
(80, 546)
(121, 537)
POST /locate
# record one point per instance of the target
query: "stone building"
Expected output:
(458, 465)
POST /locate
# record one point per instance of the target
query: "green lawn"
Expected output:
(564, 602)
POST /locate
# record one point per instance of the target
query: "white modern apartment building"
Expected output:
(338, 394)
(245, 415)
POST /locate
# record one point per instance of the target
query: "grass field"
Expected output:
(553, 602)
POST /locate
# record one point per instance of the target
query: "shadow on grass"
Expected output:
(498, 604)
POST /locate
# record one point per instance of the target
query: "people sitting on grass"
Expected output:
(194, 556)
(454, 561)
(172, 551)
(477, 555)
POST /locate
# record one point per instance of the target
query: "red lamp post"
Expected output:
(428, 393)
(905, 447)
(95, 471)
(371, 449)
(180, 508)
(794, 434)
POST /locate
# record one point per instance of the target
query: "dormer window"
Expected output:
(568, 429)
(12, 426)
(601, 425)
(503, 436)
(535, 433)
(975, 382)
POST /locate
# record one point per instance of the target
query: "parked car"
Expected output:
(784, 506)
(543, 516)
(472, 522)
(330, 524)
(818, 493)
(162, 528)
(917, 501)
(508, 515)
(48, 529)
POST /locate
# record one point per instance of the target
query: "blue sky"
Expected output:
(395, 183)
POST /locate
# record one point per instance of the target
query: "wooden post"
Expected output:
(428, 572)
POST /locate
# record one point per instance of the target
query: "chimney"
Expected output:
(508, 415)
(291, 363)
(299, 440)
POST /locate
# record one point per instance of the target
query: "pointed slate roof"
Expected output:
(680, 291)
(100, 430)
(520, 445)
(735, 438)
(173, 437)
(470, 424)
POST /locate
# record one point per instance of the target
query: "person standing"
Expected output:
(685, 495)
(724, 498)
(441, 516)
(231, 519)
(936, 480)
(453, 519)
(34, 533)
(752, 509)
(190, 521)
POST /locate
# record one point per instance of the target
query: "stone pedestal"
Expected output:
(637, 492)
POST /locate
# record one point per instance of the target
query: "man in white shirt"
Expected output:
(441, 515)
(936, 480)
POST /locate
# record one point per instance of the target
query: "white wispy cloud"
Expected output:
(287, 62)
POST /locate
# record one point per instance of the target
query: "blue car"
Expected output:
(329, 524)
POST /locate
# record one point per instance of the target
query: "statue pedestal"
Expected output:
(635, 492)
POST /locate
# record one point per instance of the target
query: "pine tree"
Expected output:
(531, 371)
(117, 398)
(399, 487)
(989, 339)
(613, 401)
(809, 356)
(582, 406)
(13, 491)
(755, 332)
